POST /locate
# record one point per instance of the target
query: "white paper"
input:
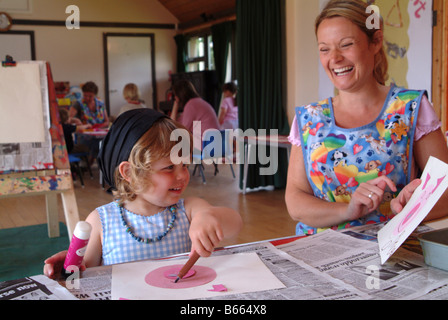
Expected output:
(29, 156)
(239, 273)
(21, 104)
(395, 232)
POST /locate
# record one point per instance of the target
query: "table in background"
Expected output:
(279, 141)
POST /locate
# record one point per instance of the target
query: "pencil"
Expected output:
(190, 263)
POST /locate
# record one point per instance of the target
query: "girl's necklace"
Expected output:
(173, 210)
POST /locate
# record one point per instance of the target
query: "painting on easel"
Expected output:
(33, 154)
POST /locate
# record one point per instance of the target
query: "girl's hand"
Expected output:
(405, 195)
(205, 232)
(368, 197)
(54, 264)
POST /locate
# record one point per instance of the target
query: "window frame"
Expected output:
(207, 36)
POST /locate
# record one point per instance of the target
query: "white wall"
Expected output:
(302, 54)
(77, 55)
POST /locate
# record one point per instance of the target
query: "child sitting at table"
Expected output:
(149, 219)
(69, 129)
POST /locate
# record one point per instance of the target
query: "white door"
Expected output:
(17, 44)
(129, 59)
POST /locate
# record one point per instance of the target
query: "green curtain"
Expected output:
(181, 43)
(222, 37)
(260, 55)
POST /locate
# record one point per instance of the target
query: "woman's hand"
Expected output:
(368, 197)
(405, 195)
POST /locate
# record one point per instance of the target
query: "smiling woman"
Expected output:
(356, 156)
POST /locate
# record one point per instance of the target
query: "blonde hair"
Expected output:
(154, 145)
(355, 11)
(131, 92)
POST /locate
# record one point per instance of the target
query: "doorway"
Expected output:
(129, 58)
(18, 44)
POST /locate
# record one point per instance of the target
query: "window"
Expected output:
(200, 53)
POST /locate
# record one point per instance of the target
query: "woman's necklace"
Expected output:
(173, 210)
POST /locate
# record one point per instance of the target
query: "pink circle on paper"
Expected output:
(157, 277)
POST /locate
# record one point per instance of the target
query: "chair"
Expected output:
(74, 165)
(215, 149)
(84, 156)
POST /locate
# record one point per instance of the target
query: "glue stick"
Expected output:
(77, 248)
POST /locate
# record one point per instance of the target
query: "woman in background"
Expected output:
(197, 114)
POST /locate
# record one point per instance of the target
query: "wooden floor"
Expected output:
(264, 212)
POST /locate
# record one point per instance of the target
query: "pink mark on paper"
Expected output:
(424, 197)
(164, 277)
(172, 273)
(219, 288)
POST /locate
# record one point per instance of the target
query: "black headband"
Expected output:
(121, 138)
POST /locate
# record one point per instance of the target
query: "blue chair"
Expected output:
(84, 156)
(74, 165)
(210, 154)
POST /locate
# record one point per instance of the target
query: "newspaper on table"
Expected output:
(94, 284)
(357, 263)
(327, 266)
(34, 288)
(302, 281)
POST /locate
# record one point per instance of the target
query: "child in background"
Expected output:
(228, 113)
(149, 219)
(69, 128)
(131, 94)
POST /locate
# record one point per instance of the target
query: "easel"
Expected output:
(48, 182)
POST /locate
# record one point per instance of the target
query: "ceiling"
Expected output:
(195, 12)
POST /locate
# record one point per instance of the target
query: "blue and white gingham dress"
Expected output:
(119, 246)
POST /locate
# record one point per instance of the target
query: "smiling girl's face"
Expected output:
(168, 182)
(346, 53)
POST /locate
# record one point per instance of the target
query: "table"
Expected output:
(332, 265)
(279, 141)
(97, 133)
(332, 259)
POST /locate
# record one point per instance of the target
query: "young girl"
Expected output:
(228, 113)
(149, 219)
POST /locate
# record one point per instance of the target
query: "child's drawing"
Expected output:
(427, 192)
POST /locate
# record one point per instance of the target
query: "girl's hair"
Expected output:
(184, 90)
(154, 145)
(355, 11)
(230, 86)
(131, 92)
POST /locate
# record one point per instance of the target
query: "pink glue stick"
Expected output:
(77, 248)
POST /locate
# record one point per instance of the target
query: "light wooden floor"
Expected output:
(264, 212)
